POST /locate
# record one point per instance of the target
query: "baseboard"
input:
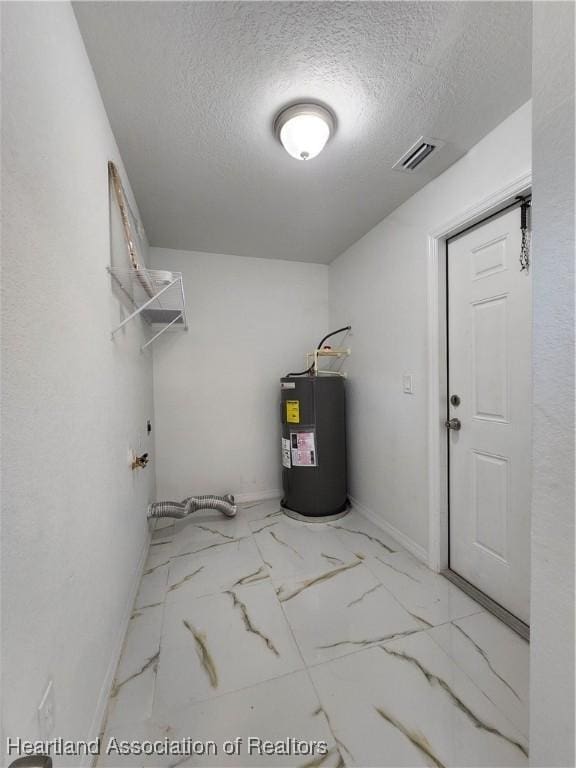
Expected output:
(101, 706)
(405, 541)
(241, 498)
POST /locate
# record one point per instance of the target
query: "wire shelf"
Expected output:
(336, 353)
(155, 295)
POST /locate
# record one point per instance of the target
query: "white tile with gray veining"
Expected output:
(267, 627)
(252, 511)
(221, 643)
(494, 657)
(159, 554)
(135, 680)
(153, 585)
(161, 523)
(291, 548)
(426, 595)
(202, 530)
(161, 529)
(214, 568)
(406, 703)
(342, 610)
(272, 711)
(362, 537)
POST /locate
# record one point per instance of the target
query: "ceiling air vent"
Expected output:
(417, 153)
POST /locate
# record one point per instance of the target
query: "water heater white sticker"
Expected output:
(303, 446)
(286, 453)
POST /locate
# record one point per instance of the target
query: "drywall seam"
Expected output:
(411, 546)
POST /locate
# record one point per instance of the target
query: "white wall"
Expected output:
(73, 517)
(379, 285)
(216, 388)
(552, 594)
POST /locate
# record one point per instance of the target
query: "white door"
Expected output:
(489, 370)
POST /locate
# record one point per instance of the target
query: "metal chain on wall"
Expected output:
(525, 245)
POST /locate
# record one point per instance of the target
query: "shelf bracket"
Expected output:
(143, 306)
(161, 331)
(161, 308)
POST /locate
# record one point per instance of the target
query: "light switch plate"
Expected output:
(408, 384)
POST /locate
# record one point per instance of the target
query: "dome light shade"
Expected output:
(304, 129)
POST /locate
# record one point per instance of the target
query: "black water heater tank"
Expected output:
(314, 445)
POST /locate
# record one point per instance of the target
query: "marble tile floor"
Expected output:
(266, 627)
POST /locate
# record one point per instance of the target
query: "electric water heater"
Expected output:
(314, 445)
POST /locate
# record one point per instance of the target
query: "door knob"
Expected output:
(454, 424)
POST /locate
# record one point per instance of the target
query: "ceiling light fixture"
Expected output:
(304, 129)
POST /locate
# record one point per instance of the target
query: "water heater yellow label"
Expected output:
(293, 411)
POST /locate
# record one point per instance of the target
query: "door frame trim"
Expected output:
(437, 361)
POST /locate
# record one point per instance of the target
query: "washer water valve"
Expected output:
(140, 461)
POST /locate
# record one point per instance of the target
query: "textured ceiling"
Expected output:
(192, 89)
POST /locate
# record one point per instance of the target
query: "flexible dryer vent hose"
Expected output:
(224, 504)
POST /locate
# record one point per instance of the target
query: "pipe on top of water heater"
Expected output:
(328, 335)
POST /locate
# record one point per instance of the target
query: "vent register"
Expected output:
(418, 152)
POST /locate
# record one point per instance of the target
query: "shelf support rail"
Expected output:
(147, 303)
(183, 313)
(161, 331)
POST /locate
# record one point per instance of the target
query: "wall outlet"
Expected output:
(46, 718)
(408, 384)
